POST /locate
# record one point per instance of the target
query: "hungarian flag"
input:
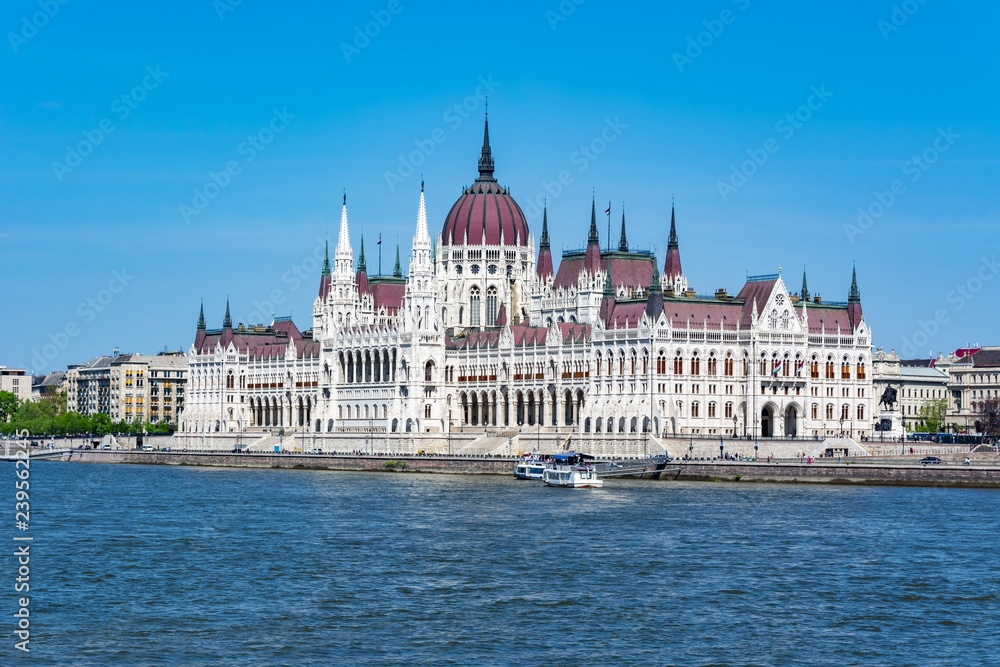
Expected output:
(776, 368)
(799, 367)
(608, 212)
(379, 240)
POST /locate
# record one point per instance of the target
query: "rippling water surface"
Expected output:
(150, 564)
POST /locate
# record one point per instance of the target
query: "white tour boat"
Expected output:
(577, 477)
(530, 469)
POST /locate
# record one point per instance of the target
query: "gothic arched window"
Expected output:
(491, 307)
(474, 299)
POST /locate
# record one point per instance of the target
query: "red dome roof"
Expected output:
(485, 214)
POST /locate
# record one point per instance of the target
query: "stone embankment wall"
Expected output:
(982, 474)
(456, 465)
(977, 476)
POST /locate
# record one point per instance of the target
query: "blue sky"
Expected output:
(771, 124)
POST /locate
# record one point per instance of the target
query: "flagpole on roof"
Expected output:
(380, 254)
(609, 225)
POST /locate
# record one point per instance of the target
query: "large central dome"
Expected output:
(485, 214)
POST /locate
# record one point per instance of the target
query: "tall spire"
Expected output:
(672, 240)
(609, 287)
(361, 258)
(804, 294)
(592, 237)
(855, 294)
(422, 237)
(326, 257)
(227, 321)
(486, 158)
(623, 242)
(397, 271)
(672, 265)
(654, 304)
(201, 317)
(344, 255)
(544, 267)
(545, 227)
(344, 238)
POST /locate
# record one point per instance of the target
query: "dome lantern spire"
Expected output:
(486, 157)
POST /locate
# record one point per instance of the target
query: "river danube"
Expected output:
(153, 564)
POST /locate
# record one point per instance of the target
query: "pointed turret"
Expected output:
(486, 158)
(422, 238)
(324, 279)
(672, 266)
(227, 321)
(608, 298)
(854, 296)
(592, 260)
(361, 276)
(397, 271)
(544, 267)
(199, 336)
(654, 304)
(623, 242)
(804, 294)
(344, 256)
(854, 313)
(592, 236)
(502, 315)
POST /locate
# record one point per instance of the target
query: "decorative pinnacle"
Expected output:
(623, 242)
(592, 237)
(545, 227)
(654, 283)
(804, 294)
(486, 157)
(855, 295)
(326, 257)
(227, 321)
(609, 288)
(397, 271)
(672, 240)
(201, 317)
(361, 258)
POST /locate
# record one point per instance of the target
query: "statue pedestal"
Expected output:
(889, 425)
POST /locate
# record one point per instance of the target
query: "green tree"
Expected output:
(9, 403)
(932, 414)
(988, 418)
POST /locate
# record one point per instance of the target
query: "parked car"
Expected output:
(929, 459)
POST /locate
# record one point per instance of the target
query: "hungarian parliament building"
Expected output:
(486, 333)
